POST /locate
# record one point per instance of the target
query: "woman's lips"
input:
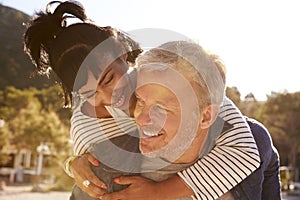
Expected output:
(121, 97)
(120, 102)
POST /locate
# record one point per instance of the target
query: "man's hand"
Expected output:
(139, 189)
(82, 171)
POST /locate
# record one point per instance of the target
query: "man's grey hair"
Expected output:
(193, 62)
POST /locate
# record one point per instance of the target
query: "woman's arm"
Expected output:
(146, 189)
(105, 138)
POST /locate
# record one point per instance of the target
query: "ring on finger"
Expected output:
(86, 183)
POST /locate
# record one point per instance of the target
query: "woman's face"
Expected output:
(111, 88)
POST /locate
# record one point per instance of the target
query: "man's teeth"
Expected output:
(151, 134)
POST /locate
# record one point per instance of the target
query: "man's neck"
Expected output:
(192, 153)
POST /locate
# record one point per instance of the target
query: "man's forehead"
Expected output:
(171, 79)
(154, 88)
(157, 94)
(165, 77)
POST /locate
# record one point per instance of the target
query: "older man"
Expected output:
(179, 93)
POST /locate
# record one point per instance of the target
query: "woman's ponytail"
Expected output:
(42, 31)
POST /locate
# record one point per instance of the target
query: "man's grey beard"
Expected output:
(179, 144)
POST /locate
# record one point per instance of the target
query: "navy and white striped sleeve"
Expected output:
(86, 130)
(234, 157)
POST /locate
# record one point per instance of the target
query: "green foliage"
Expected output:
(234, 94)
(4, 158)
(35, 127)
(281, 114)
(31, 117)
(15, 100)
(250, 106)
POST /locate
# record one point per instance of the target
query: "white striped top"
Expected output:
(86, 130)
(234, 157)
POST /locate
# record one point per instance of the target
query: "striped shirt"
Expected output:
(234, 155)
(86, 130)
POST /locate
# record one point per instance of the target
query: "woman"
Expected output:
(64, 50)
(91, 63)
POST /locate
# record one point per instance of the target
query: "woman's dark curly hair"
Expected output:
(52, 45)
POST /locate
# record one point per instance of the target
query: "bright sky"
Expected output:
(258, 40)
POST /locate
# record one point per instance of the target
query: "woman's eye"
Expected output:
(109, 79)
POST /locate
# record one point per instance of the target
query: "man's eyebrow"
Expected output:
(104, 75)
(170, 102)
(166, 105)
(137, 96)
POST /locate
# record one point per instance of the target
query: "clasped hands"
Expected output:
(139, 187)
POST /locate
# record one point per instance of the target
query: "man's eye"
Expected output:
(139, 102)
(159, 109)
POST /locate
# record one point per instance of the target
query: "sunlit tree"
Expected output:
(234, 94)
(250, 106)
(32, 117)
(281, 114)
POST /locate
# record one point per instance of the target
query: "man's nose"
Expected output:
(143, 117)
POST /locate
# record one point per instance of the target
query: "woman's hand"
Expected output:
(81, 170)
(145, 189)
(139, 188)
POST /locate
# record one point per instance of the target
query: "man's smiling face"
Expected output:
(158, 115)
(164, 113)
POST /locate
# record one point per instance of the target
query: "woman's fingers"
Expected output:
(92, 190)
(89, 174)
(83, 173)
(92, 159)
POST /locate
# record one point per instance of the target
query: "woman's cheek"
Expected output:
(96, 101)
(92, 101)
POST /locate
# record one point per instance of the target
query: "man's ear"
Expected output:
(209, 115)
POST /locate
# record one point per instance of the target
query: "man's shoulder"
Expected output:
(262, 138)
(258, 129)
